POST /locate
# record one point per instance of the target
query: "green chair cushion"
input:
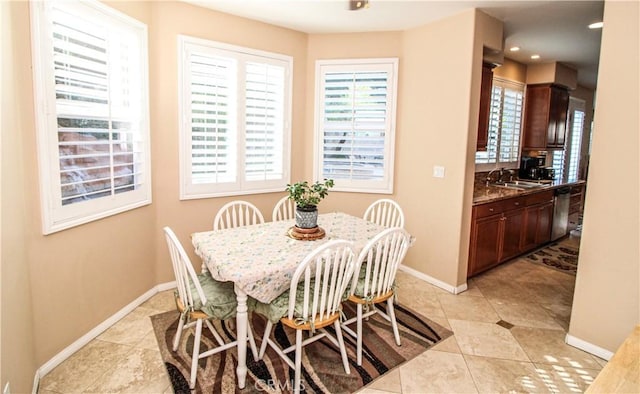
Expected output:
(279, 307)
(221, 298)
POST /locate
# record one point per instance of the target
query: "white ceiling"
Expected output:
(556, 30)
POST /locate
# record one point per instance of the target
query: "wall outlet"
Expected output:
(438, 171)
(6, 389)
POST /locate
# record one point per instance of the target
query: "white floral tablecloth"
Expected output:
(260, 259)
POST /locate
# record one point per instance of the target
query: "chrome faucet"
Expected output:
(491, 173)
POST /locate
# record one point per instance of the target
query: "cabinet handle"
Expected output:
(517, 203)
(490, 209)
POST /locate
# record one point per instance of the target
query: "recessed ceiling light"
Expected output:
(514, 49)
(535, 57)
(596, 25)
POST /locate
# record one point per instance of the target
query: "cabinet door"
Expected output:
(545, 222)
(558, 107)
(513, 225)
(536, 117)
(485, 107)
(530, 228)
(537, 225)
(486, 234)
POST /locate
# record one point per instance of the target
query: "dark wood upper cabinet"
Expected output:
(485, 106)
(545, 117)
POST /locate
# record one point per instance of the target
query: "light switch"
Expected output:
(438, 171)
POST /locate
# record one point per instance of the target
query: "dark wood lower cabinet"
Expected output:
(537, 225)
(504, 229)
(485, 243)
(513, 221)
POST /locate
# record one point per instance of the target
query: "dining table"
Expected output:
(260, 260)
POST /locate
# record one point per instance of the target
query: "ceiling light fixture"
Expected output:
(596, 25)
(535, 57)
(358, 4)
(514, 49)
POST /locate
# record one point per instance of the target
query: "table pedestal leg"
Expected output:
(241, 328)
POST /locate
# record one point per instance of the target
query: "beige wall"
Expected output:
(168, 20)
(511, 70)
(606, 303)
(17, 343)
(82, 276)
(344, 46)
(434, 115)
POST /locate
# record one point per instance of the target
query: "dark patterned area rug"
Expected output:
(321, 362)
(559, 255)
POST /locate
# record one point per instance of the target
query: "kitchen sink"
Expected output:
(521, 185)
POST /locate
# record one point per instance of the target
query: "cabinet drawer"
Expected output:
(575, 199)
(484, 210)
(577, 189)
(539, 198)
(513, 203)
(498, 207)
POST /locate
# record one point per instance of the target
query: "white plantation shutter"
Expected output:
(505, 124)
(213, 143)
(574, 145)
(235, 119)
(264, 119)
(356, 122)
(91, 78)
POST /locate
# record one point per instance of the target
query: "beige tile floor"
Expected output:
(481, 356)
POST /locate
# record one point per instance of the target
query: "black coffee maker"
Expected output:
(532, 167)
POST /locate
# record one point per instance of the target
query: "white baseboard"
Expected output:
(588, 347)
(434, 281)
(91, 335)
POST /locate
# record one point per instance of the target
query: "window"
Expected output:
(505, 120)
(235, 119)
(355, 123)
(90, 78)
(567, 162)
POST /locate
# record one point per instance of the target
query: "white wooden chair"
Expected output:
(237, 213)
(319, 285)
(376, 268)
(385, 212)
(200, 298)
(284, 209)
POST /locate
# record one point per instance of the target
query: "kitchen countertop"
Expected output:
(483, 194)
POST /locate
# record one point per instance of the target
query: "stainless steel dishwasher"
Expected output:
(560, 212)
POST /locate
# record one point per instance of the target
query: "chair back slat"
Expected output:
(284, 209)
(381, 258)
(184, 272)
(326, 273)
(237, 213)
(385, 212)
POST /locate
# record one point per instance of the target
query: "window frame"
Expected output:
(479, 167)
(384, 186)
(56, 216)
(190, 190)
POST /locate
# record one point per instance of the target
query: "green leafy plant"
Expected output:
(307, 195)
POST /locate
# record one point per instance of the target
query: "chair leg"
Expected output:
(265, 339)
(343, 349)
(359, 333)
(392, 316)
(252, 342)
(176, 338)
(196, 354)
(298, 361)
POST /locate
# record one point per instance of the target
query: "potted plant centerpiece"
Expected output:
(307, 197)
